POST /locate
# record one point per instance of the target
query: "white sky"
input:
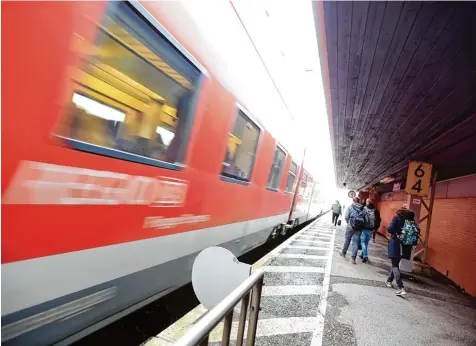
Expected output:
(284, 34)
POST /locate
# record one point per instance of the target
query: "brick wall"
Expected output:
(389, 203)
(387, 212)
(452, 245)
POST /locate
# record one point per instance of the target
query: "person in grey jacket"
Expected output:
(336, 212)
(350, 232)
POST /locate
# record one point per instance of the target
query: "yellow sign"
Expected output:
(418, 178)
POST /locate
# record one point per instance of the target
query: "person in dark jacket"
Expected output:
(374, 223)
(378, 222)
(351, 233)
(336, 212)
(395, 247)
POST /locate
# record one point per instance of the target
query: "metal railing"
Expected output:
(199, 334)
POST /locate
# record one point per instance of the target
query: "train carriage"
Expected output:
(123, 156)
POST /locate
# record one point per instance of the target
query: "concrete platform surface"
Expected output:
(362, 311)
(313, 296)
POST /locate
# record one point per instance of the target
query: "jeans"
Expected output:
(395, 272)
(364, 239)
(355, 236)
(335, 217)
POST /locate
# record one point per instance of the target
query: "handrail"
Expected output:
(198, 335)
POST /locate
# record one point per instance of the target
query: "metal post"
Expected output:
(299, 178)
(241, 324)
(225, 341)
(198, 334)
(430, 212)
(254, 311)
(204, 341)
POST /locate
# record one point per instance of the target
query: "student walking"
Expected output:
(373, 224)
(356, 220)
(336, 212)
(395, 247)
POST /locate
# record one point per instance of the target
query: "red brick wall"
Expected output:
(363, 195)
(452, 245)
(388, 204)
(387, 212)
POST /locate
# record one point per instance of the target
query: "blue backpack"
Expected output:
(410, 233)
(358, 219)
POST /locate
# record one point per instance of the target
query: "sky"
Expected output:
(266, 53)
(285, 37)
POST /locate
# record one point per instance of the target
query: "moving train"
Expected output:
(124, 156)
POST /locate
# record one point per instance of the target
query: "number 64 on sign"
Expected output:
(418, 178)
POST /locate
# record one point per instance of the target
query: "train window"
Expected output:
(309, 188)
(276, 169)
(134, 93)
(303, 184)
(317, 192)
(241, 149)
(291, 178)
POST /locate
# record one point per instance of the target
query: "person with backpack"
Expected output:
(373, 223)
(356, 219)
(404, 231)
(336, 212)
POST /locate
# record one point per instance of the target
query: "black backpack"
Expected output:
(358, 219)
(371, 218)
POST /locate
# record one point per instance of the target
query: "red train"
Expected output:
(122, 158)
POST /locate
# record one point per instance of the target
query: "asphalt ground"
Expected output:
(362, 311)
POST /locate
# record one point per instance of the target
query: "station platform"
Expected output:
(361, 310)
(313, 296)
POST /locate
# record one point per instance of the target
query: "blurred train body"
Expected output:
(123, 156)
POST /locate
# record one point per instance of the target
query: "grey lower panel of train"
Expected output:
(68, 318)
(57, 319)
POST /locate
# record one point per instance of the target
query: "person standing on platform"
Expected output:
(373, 224)
(378, 221)
(336, 212)
(395, 247)
(356, 220)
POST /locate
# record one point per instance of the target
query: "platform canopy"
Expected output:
(400, 83)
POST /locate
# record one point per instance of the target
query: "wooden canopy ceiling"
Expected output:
(399, 77)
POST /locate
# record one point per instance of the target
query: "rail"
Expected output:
(198, 335)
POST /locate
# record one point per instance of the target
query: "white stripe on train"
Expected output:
(31, 282)
(64, 311)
